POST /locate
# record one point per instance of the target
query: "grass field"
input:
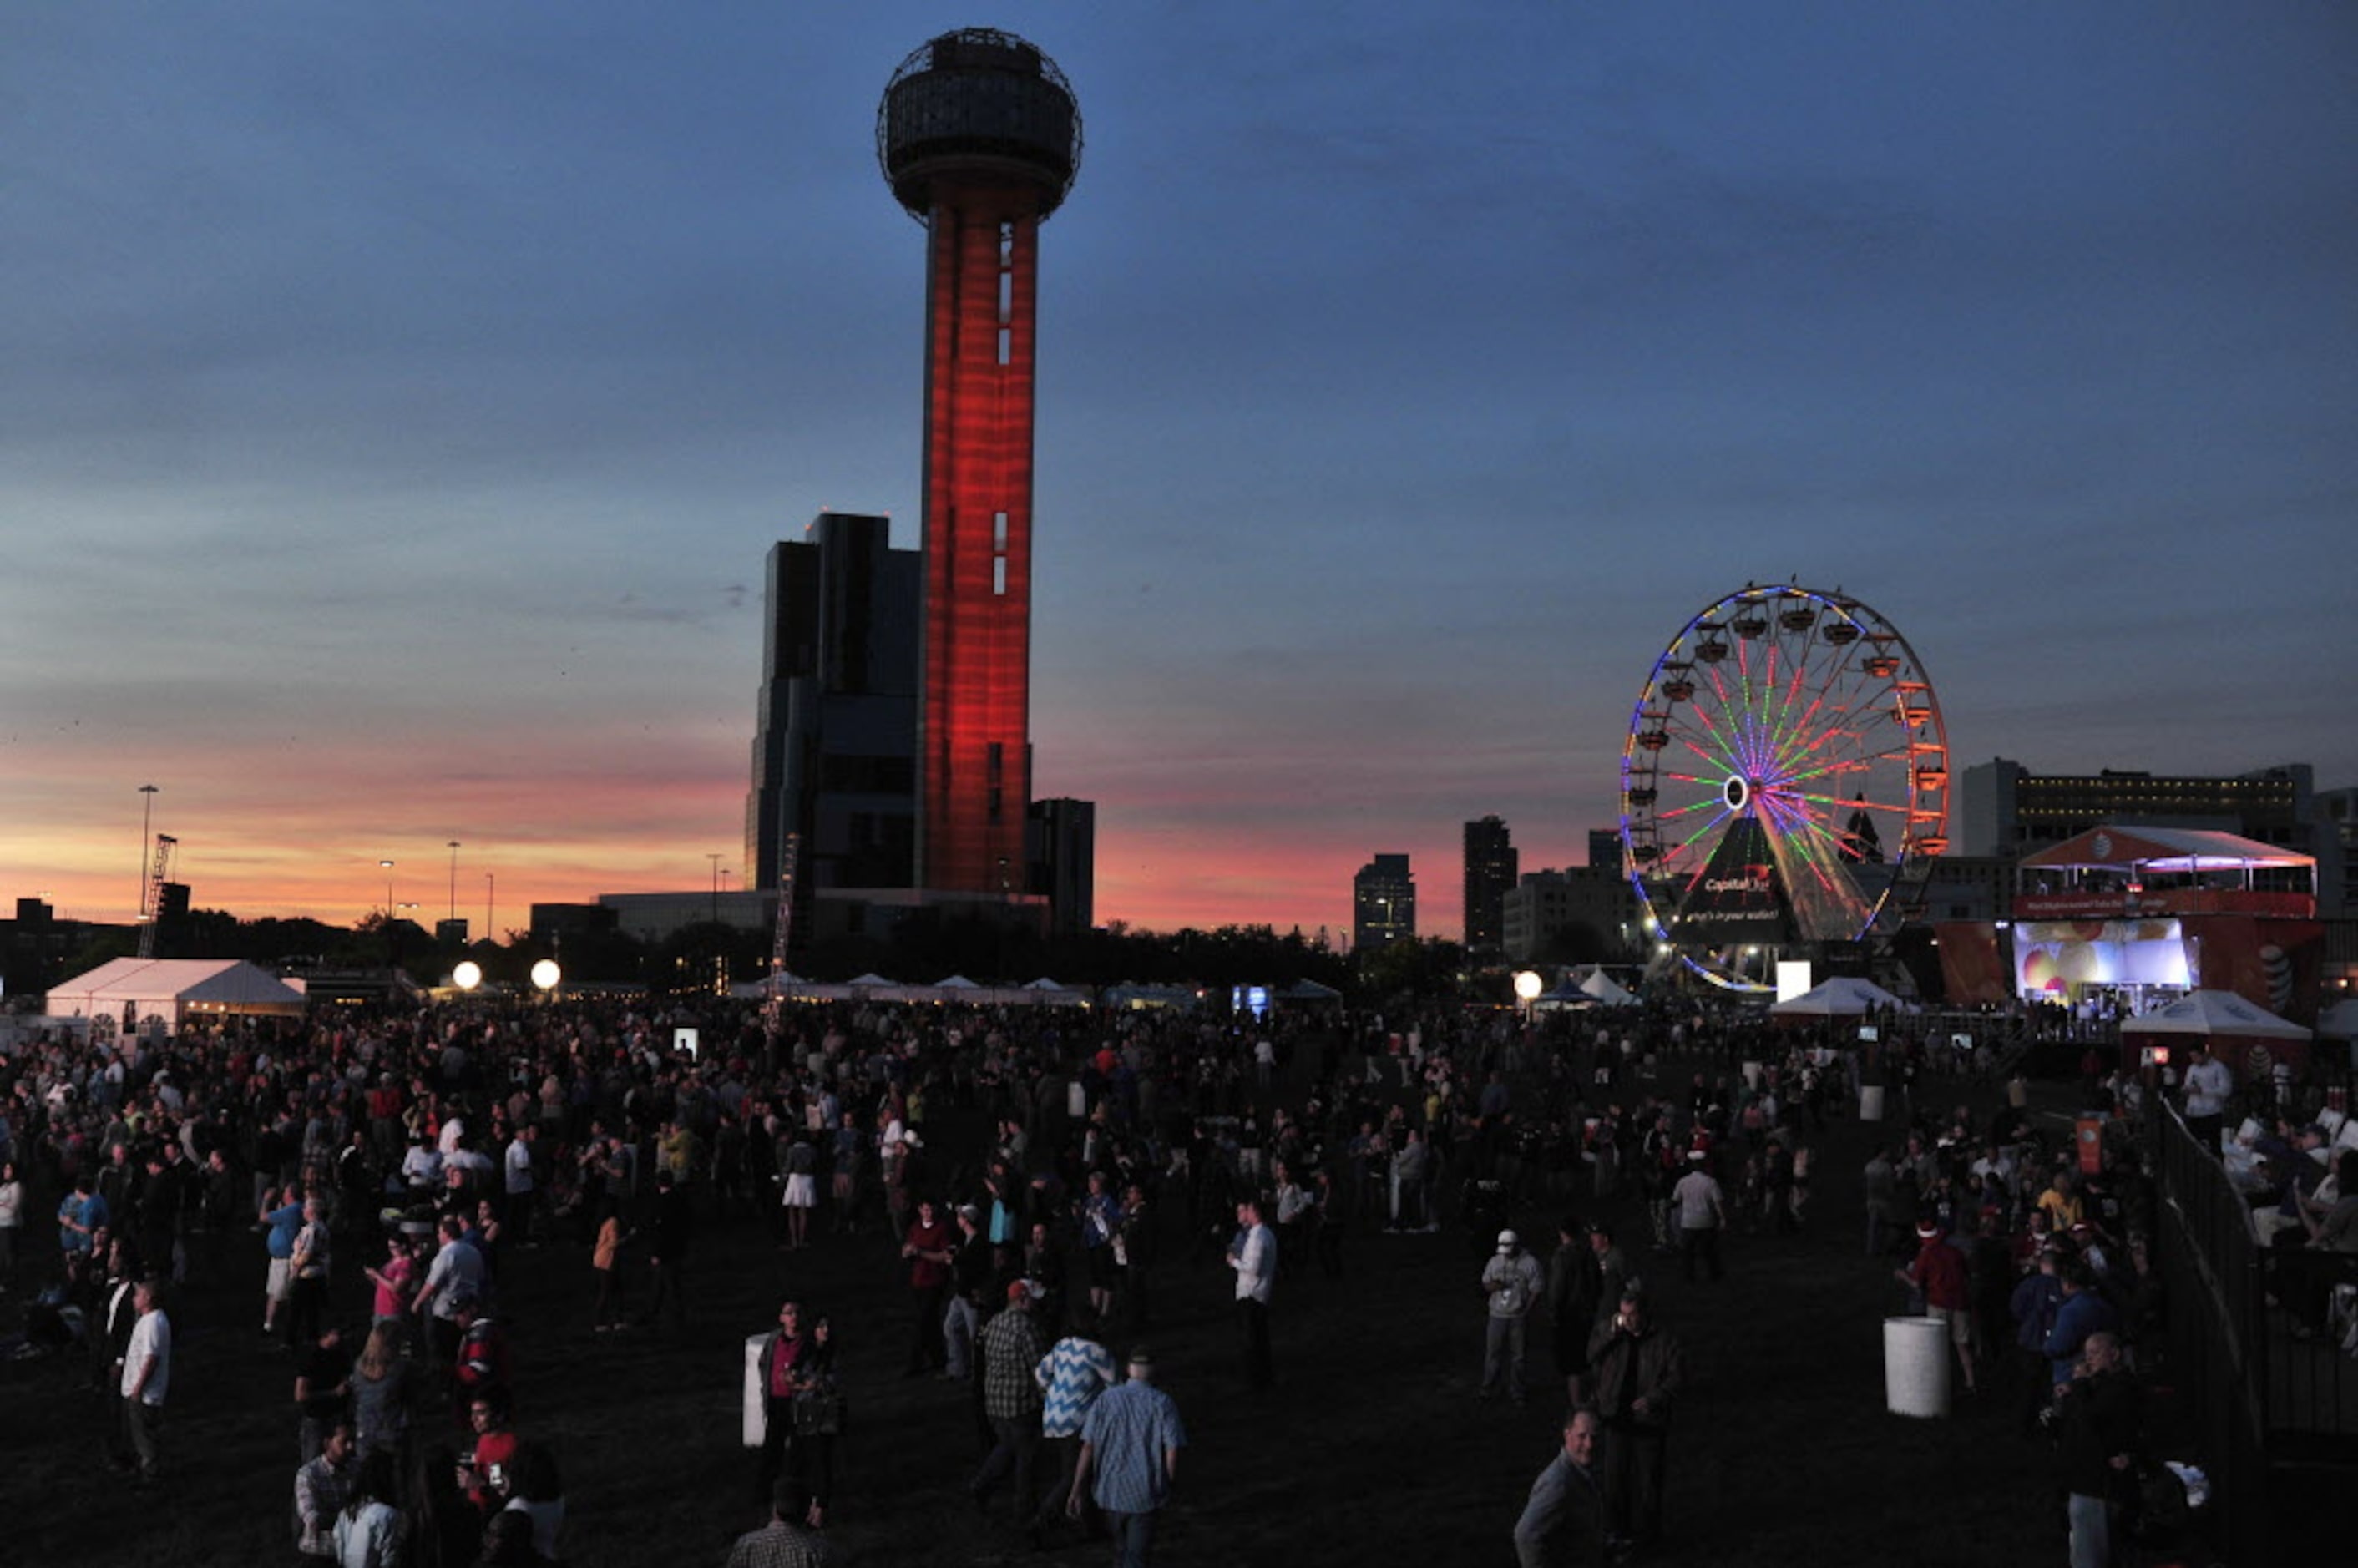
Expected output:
(1372, 1449)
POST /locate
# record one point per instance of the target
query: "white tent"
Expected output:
(1608, 990)
(174, 990)
(2339, 1022)
(2214, 1012)
(1845, 996)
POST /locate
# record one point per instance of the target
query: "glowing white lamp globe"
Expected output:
(468, 974)
(546, 974)
(1528, 985)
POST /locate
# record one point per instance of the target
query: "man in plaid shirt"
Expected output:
(1012, 1346)
(1071, 1377)
(1130, 1443)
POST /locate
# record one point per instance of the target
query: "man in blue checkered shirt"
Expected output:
(1130, 1447)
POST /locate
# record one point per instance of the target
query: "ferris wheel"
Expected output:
(1785, 781)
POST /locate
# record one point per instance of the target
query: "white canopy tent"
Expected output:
(956, 988)
(1845, 996)
(1608, 991)
(174, 990)
(2214, 1012)
(2339, 1022)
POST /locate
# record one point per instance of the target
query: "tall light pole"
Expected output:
(489, 887)
(387, 866)
(454, 879)
(146, 820)
(714, 856)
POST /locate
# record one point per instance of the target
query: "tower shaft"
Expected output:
(975, 725)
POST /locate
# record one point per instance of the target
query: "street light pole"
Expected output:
(387, 866)
(454, 879)
(714, 856)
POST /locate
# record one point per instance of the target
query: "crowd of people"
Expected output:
(419, 1159)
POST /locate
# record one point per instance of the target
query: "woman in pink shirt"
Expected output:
(394, 1281)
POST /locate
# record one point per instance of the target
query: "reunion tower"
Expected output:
(980, 137)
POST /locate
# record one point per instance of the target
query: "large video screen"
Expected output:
(2054, 958)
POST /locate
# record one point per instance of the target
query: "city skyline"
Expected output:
(395, 412)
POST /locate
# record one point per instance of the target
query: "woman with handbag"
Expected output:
(820, 1410)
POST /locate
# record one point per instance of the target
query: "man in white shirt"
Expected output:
(147, 1377)
(457, 1273)
(518, 1168)
(422, 1166)
(1254, 1258)
(1701, 1210)
(2210, 1085)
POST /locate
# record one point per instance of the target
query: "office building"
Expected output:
(835, 744)
(1383, 904)
(1490, 865)
(1060, 858)
(2007, 810)
(1583, 915)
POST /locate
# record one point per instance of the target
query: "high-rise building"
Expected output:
(980, 137)
(1490, 866)
(1605, 848)
(2007, 810)
(1060, 854)
(1583, 915)
(835, 744)
(1383, 904)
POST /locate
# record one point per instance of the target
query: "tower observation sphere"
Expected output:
(979, 138)
(979, 107)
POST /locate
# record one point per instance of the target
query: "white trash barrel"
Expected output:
(1916, 1366)
(756, 1419)
(1870, 1102)
(1076, 1100)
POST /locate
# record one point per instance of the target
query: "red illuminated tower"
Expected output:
(980, 137)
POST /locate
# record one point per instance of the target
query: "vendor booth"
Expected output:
(2131, 917)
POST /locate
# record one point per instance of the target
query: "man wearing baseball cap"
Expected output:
(1938, 1271)
(1130, 1448)
(1512, 1281)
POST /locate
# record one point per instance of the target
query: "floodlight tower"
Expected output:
(979, 138)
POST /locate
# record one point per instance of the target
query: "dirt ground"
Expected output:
(1373, 1447)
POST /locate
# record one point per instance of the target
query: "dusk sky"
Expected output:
(396, 405)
